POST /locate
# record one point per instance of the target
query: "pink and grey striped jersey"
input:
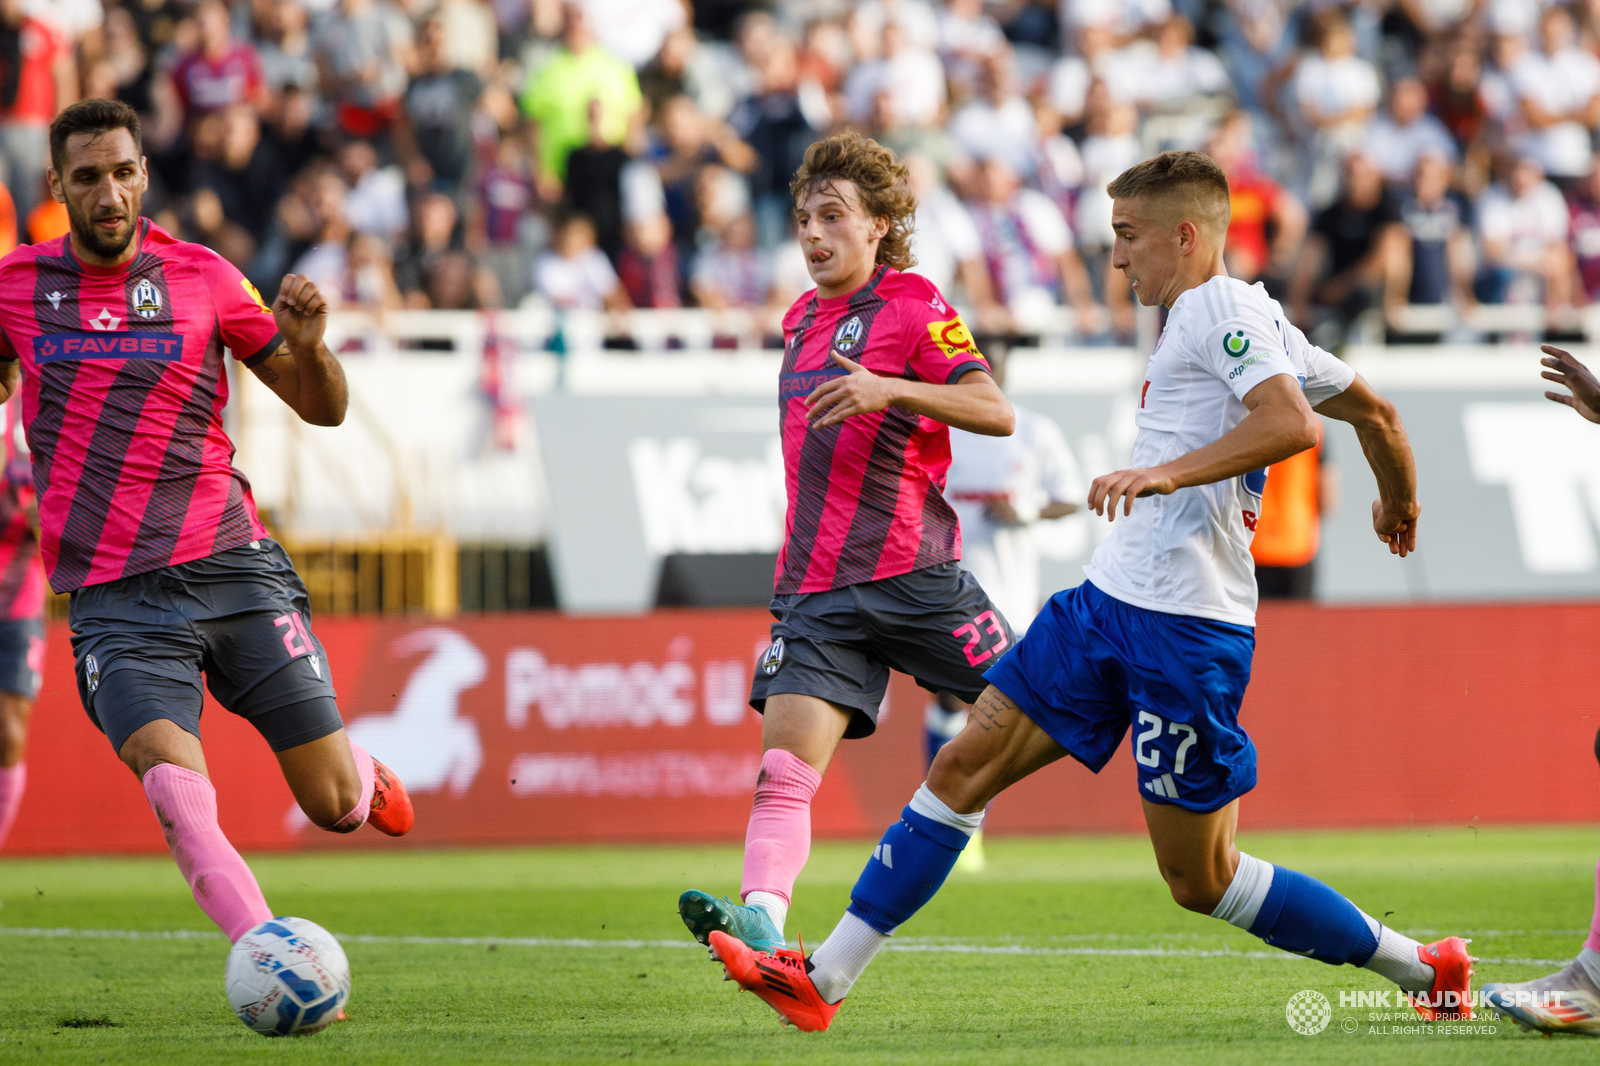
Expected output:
(122, 397)
(865, 496)
(21, 578)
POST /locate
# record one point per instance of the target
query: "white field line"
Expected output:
(929, 946)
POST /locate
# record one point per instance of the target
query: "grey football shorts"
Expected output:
(936, 624)
(240, 617)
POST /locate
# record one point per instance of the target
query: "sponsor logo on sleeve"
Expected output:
(255, 295)
(1236, 344)
(953, 338)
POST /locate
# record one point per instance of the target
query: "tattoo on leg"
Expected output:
(987, 711)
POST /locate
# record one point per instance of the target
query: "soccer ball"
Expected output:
(287, 976)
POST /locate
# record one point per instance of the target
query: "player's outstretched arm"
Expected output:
(303, 373)
(1565, 369)
(1280, 424)
(974, 403)
(1388, 451)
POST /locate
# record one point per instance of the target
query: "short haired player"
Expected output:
(117, 332)
(1159, 636)
(876, 366)
(1535, 1004)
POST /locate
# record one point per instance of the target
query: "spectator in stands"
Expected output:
(670, 73)
(575, 275)
(1267, 225)
(284, 46)
(453, 282)
(1558, 91)
(435, 125)
(1112, 146)
(242, 170)
(41, 78)
(1522, 235)
(1335, 94)
(325, 261)
(730, 271)
(948, 250)
(594, 183)
(999, 122)
(1028, 249)
(470, 35)
(1584, 207)
(1358, 253)
(503, 224)
(434, 221)
(689, 143)
(967, 37)
(376, 201)
(1175, 75)
(1398, 139)
(559, 92)
(222, 72)
(1456, 96)
(368, 281)
(364, 49)
(648, 268)
(911, 76)
(1439, 221)
(773, 122)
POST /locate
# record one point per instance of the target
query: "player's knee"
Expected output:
(1198, 894)
(328, 806)
(957, 780)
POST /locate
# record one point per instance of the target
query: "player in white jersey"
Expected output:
(1567, 1001)
(1160, 636)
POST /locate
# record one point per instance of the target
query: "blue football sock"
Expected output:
(906, 869)
(1305, 916)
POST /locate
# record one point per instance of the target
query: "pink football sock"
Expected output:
(1593, 943)
(13, 780)
(186, 806)
(778, 841)
(358, 814)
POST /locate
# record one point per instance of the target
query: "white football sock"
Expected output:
(1589, 959)
(1397, 958)
(925, 803)
(1246, 892)
(844, 956)
(773, 904)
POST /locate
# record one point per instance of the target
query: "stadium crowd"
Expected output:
(608, 154)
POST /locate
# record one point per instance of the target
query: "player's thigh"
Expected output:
(938, 625)
(819, 651)
(1194, 851)
(1000, 746)
(21, 657)
(805, 726)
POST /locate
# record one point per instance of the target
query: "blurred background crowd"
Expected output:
(606, 154)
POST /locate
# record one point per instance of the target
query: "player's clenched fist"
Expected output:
(301, 311)
(1123, 486)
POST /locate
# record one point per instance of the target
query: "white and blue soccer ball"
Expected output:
(287, 976)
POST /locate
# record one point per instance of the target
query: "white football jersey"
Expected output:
(1189, 553)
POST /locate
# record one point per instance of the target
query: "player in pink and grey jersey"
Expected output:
(877, 366)
(21, 622)
(115, 336)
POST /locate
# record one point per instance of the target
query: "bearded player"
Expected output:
(1567, 1001)
(876, 367)
(1161, 633)
(117, 332)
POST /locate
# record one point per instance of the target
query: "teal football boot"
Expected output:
(704, 913)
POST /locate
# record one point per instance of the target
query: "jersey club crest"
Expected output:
(848, 335)
(146, 300)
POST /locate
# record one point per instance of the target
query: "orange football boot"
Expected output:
(779, 980)
(390, 811)
(1452, 972)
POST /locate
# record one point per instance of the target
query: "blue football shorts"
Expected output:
(1091, 666)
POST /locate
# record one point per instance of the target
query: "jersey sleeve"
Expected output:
(940, 348)
(248, 326)
(1244, 350)
(1326, 375)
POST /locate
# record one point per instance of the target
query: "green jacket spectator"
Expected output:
(558, 94)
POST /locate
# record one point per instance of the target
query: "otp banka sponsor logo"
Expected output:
(1551, 467)
(111, 344)
(702, 504)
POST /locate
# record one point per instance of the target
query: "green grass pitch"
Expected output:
(1065, 950)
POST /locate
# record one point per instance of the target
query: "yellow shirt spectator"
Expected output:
(558, 96)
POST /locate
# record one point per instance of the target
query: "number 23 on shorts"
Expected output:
(973, 631)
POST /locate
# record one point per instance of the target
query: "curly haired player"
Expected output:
(877, 366)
